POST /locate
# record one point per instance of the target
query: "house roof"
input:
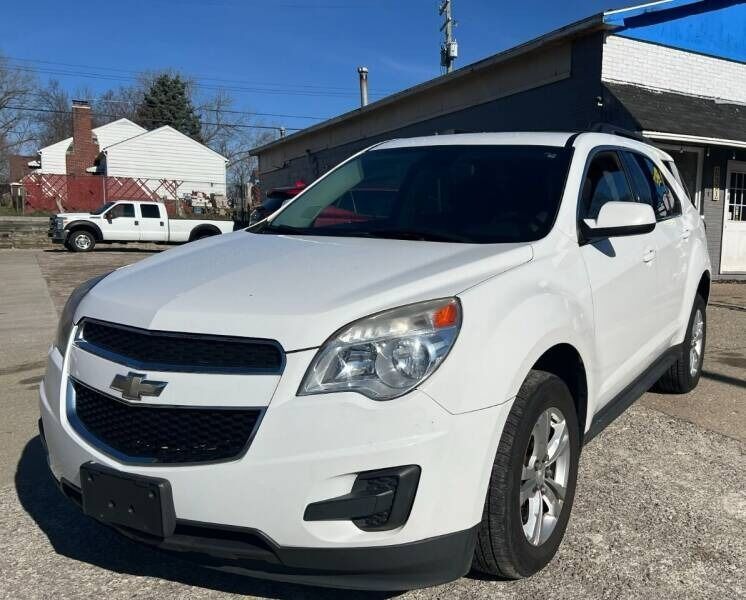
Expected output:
(161, 129)
(95, 130)
(659, 111)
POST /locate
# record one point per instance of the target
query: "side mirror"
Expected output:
(616, 219)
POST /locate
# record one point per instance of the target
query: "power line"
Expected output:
(252, 113)
(98, 114)
(196, 76)
(280, 91)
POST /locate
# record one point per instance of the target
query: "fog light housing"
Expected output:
(380, 500)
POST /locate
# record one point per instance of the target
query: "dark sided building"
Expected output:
(674, 71)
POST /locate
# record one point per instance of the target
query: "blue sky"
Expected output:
(294, 57)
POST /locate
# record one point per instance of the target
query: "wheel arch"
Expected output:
(92, 228)
(564, 361)
(201, 230)
(703, 288)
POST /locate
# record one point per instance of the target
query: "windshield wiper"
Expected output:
(417, 234)
(267, 227)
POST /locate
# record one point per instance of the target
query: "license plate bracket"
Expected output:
(144, 504)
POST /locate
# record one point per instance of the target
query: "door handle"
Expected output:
(686, 232)
(137, 222)
(161, 223)
(649, 255)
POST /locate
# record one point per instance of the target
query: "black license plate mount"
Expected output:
(144, 504)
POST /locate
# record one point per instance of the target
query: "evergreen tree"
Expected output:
(166, 102)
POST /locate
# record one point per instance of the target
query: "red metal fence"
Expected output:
(67, 193)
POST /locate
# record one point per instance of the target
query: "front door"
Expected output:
(733, 256)
(622, 273)
(120, 223)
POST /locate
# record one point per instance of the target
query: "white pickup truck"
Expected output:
(129, 221)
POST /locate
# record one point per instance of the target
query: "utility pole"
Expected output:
(449, 48)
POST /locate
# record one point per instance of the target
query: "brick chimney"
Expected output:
(84, 149)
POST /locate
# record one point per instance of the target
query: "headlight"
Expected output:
(388, 354)
(68, 312)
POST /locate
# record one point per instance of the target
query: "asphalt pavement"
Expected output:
(660, 509)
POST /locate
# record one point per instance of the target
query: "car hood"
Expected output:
(73, 216)
(295, 289)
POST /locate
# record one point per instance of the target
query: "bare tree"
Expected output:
(53, 121)
(232, 133)
(16, 91)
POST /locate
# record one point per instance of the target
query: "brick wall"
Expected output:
(84, 147)
(670, 69)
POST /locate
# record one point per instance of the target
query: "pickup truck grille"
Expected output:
(162, 434)
(182, 352)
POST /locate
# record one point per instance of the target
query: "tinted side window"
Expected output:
(640, 180)
(605, 181)
(150, 211)
(657, 191)
(123, 210)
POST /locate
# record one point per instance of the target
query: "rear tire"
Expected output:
(525, 488)
(683, 376)
(81, 241)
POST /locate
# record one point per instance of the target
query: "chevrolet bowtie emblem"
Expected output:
(134, 386)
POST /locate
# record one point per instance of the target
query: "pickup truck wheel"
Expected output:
(532, 484)
(81, 241)
(683, 376)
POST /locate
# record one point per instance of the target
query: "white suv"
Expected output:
(389, 381)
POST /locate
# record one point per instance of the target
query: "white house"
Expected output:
(166, 153)
(52, 158)
(123, 149)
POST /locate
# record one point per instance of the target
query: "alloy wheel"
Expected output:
(82, 242)
(544, 477)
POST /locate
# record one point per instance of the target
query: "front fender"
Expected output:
(508, 323)
(86, 225)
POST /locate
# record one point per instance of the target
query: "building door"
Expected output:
(733, 254)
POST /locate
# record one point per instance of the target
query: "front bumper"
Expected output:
(248, 515)
(250, 552)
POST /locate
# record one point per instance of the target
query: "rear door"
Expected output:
(622, 275)
(672, 238)
(153, 223)
(120, 223)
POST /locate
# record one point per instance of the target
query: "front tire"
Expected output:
(683, 376)
(532, 485)
(81, 241)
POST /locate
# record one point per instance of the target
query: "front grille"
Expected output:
(169, 351)
(162, 434)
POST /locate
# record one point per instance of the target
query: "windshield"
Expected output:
(471, 194)
(104, 207)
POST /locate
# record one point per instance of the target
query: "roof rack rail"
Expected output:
(616, 130)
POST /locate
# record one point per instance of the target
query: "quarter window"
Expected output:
(654, 188)
(150, 211)
(605, 181)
